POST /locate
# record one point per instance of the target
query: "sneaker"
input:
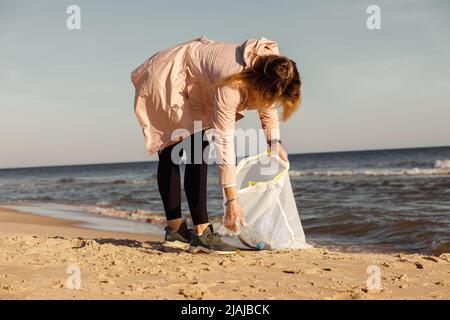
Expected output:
(178, 239)
(210, 242)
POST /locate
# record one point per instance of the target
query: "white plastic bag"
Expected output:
(270, 213)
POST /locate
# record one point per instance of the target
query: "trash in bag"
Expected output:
(271, 217)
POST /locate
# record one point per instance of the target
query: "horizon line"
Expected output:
(299, 153)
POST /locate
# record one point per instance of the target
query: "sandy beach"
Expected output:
(35, 252)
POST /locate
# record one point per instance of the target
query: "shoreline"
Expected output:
(15, 222)
(35, 252)
(81, 217)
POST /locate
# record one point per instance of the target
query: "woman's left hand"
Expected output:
(277, 149)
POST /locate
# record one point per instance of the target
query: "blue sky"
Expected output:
(66, 97)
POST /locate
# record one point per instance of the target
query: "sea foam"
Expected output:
(441, 167)
(442, 164)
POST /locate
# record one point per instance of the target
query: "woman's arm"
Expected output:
(226, 102)
(270, 123)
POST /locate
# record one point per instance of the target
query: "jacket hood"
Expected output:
(253, 48)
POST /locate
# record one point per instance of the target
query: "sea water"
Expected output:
(384, 200)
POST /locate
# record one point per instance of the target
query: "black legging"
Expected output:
(195, 179)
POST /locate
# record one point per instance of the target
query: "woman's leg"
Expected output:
(195, 182)
(169, 186)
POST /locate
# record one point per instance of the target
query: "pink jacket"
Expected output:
(176, 87)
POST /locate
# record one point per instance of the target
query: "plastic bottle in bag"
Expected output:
(249, 239)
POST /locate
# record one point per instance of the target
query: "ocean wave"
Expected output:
(86, 182)
(150, 217)
(442, 164)
(66, 180)
(376, 173)
(38, 198)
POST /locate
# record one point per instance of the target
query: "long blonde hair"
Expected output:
(274, 79)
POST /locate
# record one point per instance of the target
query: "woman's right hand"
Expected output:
(234, 216)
